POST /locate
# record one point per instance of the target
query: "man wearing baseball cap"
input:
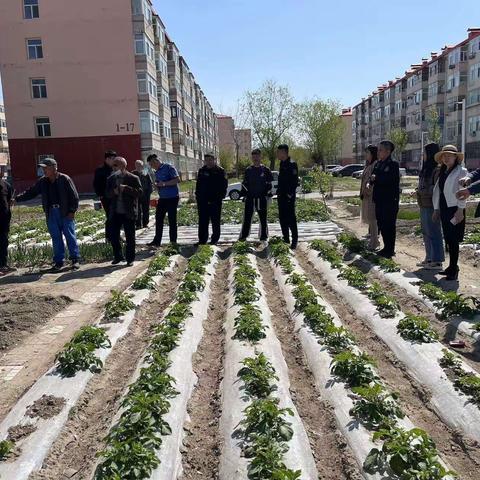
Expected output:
(60, 203)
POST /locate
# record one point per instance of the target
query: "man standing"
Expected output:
(287, 195)
(6, 196)
(123, 190)
(256, 187)
(210, 191)
(471, 186)
(60, 203)
(386, 196)
(100, 184)
(166, 180)
(143, 216)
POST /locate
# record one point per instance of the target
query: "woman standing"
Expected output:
(432, 232)
(447, 207)
(368, 207)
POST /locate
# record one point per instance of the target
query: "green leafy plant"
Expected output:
(354, 369)
(304, 296)
(431, 291)
(317, 318)
(144, 282)
(118, 304)
(456, 304)
(476, 327)
(158, 264)
(338, 339)
(416, 329)
(248, 324)
(328, 252)
(6, 448)
(469, 384)
(386, 264)
(258, 376)
(242, 248)
(450, 360)
(406, 454)
(355, 277)
(352, 243)
(386, 305)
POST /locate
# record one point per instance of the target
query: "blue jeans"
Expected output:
(432, 236)
(58, 228)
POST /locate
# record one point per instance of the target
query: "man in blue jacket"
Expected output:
(471, 185)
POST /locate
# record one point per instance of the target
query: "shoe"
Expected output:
(452, 276)
(75, 265)
(56, 267)
(384, 254)
(445, 272)
(286, 240)
(294, 245)
(130, 264)
(242, 239)
(116, 261)
(433, 266)
(424, 263)
(213, 244)
(264, 239)
(154, 244)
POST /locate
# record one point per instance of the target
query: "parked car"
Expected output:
(348, 170)
(330, 168)
(234, 190)
(358, 174)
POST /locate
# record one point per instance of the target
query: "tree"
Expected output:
(399, 137)
(433, 122)
(226, 159)
(321, 128)
(270, 111)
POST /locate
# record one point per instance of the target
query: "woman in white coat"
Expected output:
(447, 207)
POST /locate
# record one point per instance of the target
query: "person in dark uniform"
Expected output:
(143, 216)
(256, 188)
(385, 180)
(210, 191)
(287, 195)
(100, 185)
(6, 197)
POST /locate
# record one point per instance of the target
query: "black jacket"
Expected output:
(211, 184)
(131, 194)
(67, 194)
(146, 183)
(6, 193)
(257, 182)
(287, 178)
(100, 179)
(386, 185)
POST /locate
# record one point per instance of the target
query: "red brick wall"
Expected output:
(76, 157)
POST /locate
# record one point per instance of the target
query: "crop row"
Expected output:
(407, 453)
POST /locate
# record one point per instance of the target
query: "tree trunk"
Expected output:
(272, 158)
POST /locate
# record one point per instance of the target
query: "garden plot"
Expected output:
(81, 358)
(262, 431)
(346, 377)
(410, 339)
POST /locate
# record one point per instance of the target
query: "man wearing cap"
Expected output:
(166, 180)
(6, 196)
(210, 191)
(143, 216)
(385, 180)
(60, 203)
(123, 189)
(287, 195)
(100, 185)
(471, 186)
(256, 188)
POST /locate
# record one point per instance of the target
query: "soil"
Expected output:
(22, 312)
(202, 443)
(73, 453)
(461, 453)
(45, 407)
(333, 457)
(20, 431)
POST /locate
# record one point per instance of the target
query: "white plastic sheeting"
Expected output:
(232, 465)
(36, 446)
(421, 360)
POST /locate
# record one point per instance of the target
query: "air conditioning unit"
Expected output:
(452, 66)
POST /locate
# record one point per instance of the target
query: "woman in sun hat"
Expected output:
(368, 207)
(447, 207)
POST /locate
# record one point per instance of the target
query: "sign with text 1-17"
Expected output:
(125, 127)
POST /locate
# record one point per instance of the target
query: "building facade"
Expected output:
(243, 141)
(4, 158)
(346, 149)
(72, 95)
(226, 133)
(427, 102)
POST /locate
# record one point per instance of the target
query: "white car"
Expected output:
(233, 190)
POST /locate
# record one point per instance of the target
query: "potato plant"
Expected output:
(450, 303)
(118, 304)
(416, 329)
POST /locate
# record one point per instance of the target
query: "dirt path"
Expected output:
(462, 454)
(73, 454)
(332, 455)
(202, 442)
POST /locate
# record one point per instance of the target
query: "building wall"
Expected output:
(243, 138)
(346, 152)
(226, 132)
(4, 158)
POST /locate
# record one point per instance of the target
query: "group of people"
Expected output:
(443, 188)
(126, 196)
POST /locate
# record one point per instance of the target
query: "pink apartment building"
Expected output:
(80, 78)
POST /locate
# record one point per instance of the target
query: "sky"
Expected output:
(340, 49)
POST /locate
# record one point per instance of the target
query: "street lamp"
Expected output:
(463, 103)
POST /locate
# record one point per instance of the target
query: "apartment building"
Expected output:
(243, 140)
(3, 141)
(72, 91)
(449, 83)
(226, 133)
(346, 148)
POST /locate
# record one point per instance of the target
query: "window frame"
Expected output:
(37, 48)
(41, 127)
(33, 8)
(40, 88)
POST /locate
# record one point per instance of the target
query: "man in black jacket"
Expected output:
(123, 191)
(100, 184)
(210, 191)
(287, 195)
(256, 188)
(143, 216)
(386, 196)
(60, 203)
(6, 196)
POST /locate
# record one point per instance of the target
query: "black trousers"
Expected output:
(260, 206)
(119, 221)
(288, 218)
(166, 206)
(209, 212)
(143, 216)
(453, 234)
(4, 230)
(387, 224)
(106, 207)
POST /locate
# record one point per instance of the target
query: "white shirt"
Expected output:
(452, 186)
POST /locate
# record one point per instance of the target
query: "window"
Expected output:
(165, 98)
(474, 125)
(473, 97)
(146, 84)
(474, 73)
(139, 44)
(166, 130)
(39, 88)
(30, 9)
(174, 112)
(149, 122)
(43, 127)
(35, 49)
